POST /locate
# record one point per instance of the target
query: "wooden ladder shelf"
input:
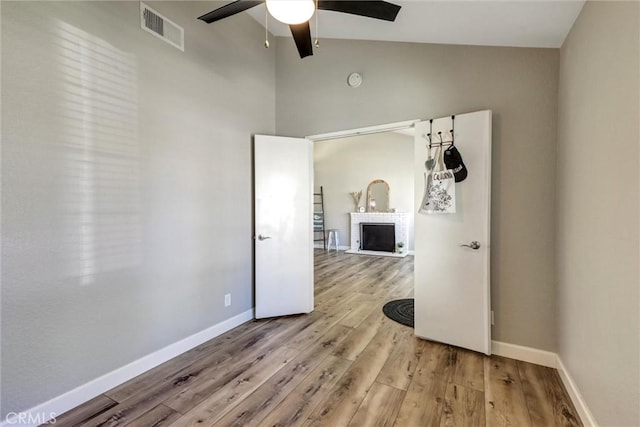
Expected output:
(318, 218)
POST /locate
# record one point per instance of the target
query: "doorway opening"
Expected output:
(345, 164)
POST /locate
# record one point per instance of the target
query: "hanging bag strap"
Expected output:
(436, 160)
(439, 158)
(441, 166)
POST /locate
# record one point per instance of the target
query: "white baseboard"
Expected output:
(377, 253)
(526, 354)
(576, 397)
(340, 247)
(77, 396)
(346, 248)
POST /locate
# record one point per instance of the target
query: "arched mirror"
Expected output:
(378, 196)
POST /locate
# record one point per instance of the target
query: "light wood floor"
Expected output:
(345, 364)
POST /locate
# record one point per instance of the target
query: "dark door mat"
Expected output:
(400, 310)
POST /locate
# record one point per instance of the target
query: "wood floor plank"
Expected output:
(331, 288)
(365, 306)
(505, 404)
(186, 398)
(422, 404)
(347, 304)
(418, 410)
(294, 410)
(404, 286)
(336, 267)
(381, 282)
(310, 335)
(379, 408)
(547, 400)
(264, 399)
(469, 370)
(331, 339)
(403, 289)
(86, 411)
(440, 360)
(223, 400)
(359, 338)
(342, 283)
(347, 395)
(463, 407)
(402, 363)
(159, 416)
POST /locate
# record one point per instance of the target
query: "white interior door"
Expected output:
(283, 185)
(452, 287)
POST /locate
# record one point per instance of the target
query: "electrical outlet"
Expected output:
(227, 300)
(493, 319)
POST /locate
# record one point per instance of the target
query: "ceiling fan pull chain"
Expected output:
(317, 43)
(266, 28)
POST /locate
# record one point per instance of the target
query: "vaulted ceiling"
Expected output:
(488, 23)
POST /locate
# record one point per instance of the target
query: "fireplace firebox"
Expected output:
(377, 237)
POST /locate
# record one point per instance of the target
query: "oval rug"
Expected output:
(400, 310)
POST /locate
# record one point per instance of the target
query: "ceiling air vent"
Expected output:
(156, 24)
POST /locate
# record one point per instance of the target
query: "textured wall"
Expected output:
(126, 178)
(404, 81)
(598, 213)
(350, 164)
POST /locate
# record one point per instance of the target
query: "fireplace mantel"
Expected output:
(400, 219)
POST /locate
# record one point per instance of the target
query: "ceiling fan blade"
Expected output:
(228, 10)
(302, 36)
(371, 9)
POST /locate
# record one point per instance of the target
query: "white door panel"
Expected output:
(452, 288)
(283, 185)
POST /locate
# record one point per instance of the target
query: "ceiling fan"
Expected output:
(296, 13)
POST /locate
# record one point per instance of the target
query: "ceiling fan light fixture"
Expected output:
(291, 11)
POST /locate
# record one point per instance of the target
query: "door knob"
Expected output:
(261, 237)
(473, 245)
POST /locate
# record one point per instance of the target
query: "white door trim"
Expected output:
(389, 127)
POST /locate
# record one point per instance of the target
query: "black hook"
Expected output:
(453, 127)
(430, 132)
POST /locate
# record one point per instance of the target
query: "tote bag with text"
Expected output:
(440, 189)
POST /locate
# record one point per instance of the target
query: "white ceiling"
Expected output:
(477, 22)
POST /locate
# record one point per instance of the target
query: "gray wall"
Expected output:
(598, 196)
(404, 81)
(126, 178)
(350, 164)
